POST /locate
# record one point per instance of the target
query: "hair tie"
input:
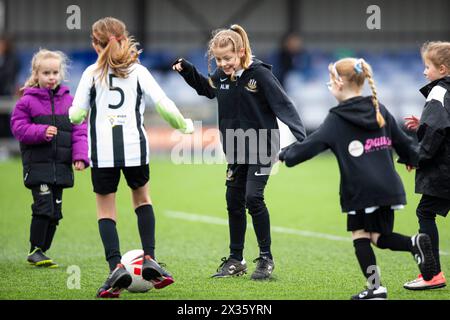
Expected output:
(115, 38)
(358, 66)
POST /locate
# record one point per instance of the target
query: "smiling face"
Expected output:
(227, 59)
(49, 73)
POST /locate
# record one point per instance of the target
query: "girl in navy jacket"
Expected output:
(362, 134)
(250, 100)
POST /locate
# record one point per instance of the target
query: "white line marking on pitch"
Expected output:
(224, 222)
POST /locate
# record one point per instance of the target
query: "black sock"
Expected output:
(394, 242)
(49, 236)
(38, 231)
(428, 226)
(110, 239)
(366, 258)
(146, 225)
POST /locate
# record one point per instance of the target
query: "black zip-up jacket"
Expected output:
(363, 151)
(433, 174)
(253, 101)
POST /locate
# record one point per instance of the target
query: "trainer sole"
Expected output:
(239, 274)
(428, 265)
(163, 283)
(436, 286)
(43, 263)
(123, 282)
(151, 274)
(108, 294)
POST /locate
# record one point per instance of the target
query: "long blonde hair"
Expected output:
(438, 52)
(237, 37)
(356, 71)
(38, 57)
(119, 50)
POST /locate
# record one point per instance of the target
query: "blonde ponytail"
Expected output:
(247, 58)
(368, 74)
(355, 72)
(119, 51)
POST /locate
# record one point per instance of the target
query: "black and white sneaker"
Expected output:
(154, 272)
(230, 267)
(371, 294)
(264, 268)
(117, 280)
(423, 254)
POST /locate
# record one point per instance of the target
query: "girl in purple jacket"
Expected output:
(49, 145)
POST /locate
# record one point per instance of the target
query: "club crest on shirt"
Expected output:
(230, 175)
(44, 189)
(251, 86)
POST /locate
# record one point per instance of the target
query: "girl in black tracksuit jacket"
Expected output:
(362, 134)
(433, 172)
(250, 100)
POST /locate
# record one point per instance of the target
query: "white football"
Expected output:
(132, 261)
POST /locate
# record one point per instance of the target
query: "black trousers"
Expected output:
(245, 190)
(47, 201)
(46, 213)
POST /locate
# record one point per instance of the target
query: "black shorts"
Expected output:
(380, 221)
(430, 206)
(106, 180)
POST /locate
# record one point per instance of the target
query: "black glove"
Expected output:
(282, 154)
(186, 65)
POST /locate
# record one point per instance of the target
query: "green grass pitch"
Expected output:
(307, 266)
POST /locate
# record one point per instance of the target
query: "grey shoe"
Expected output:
(39, 259)
(264, 268)
(230, 267)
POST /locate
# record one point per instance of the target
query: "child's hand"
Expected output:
(51, 131)
(177, 65)
(409, 168)
(189, 127)
(412, 123)
(79, 165)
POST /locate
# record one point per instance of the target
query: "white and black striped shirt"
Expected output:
(117, 137)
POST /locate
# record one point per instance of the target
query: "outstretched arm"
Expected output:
(194, 78)
(281, 104)
(169, 112)
(164, 105)
(405, 146)
(302, 151)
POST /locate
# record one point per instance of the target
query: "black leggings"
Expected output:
(245, 190)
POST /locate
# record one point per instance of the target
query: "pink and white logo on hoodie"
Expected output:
(356, 148)
(376, 144)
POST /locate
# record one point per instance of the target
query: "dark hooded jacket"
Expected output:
(363, 151)
(433, 174)
(248, 110)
